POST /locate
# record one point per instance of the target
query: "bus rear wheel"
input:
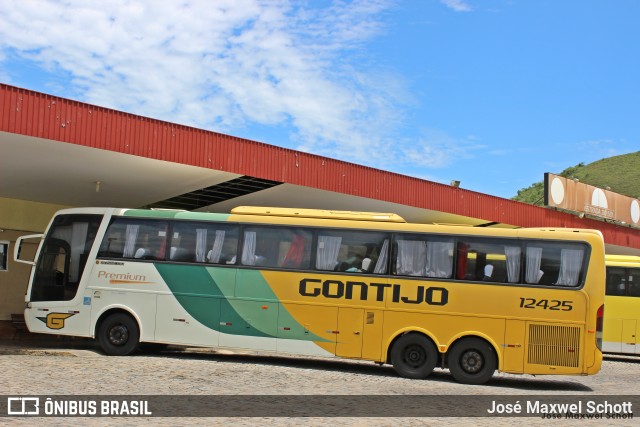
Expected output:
(118, 335)
(472, 361)
(414, 356)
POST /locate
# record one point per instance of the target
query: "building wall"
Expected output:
(18, 218)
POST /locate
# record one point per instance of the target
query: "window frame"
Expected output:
(228, 226)
(241, 245)
(137, 221)
(4, 256)
(584, 266)
(392, 235)
(627, 272)
(387, 235)
(429, 237)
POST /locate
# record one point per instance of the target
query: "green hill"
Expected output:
(620, 173)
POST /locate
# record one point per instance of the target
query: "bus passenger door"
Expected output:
(513, 346)
(350, 331)
(629, 339)
(56, 302)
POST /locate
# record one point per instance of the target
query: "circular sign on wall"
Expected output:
(635, 211)
(557, 191)
(599, 199)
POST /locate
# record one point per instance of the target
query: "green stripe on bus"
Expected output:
(199, 294)
(207, 294)
(251, 284)
(170, 214)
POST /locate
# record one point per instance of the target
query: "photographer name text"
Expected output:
(580, 410)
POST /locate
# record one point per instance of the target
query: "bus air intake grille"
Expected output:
(554, 345)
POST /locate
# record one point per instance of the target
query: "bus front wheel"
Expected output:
(118, 335)
(414, 356)
(472, 361)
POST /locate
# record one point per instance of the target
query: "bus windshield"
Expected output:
(63, 257)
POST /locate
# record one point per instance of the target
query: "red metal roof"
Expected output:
(40, 115)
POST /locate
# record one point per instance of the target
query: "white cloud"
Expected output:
(457, 5)
(438, 150)
(218, 65)
(232, 63)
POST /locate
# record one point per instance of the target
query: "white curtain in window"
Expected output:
(76, 236)
(381, 264)
(201, 244)
(327, 253)
(64, 233)
(513, 263)
(249, 248)
(216, 250)
(534, 259)
(131, 235)
(78, 240)
(439, 259)
(412, 258)
(570, 266)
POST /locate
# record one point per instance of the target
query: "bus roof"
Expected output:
(622, 260)
(318, 213)
(375, 220)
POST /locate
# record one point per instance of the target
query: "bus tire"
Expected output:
(472, 361)
(413, 356)
(118, 335)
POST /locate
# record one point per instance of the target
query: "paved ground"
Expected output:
(70, 368)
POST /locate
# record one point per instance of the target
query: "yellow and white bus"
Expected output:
(331, 283)
(622, 319)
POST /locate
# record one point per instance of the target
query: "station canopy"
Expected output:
(58, 151)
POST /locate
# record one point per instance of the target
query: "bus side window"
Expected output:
(201, 242)
(486, 259)
(616, 281)
(134, 238)
(221, 244)
(633, 275)
(352, 251)
(554, 264)
(276, 247)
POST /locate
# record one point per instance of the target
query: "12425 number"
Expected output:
(546, 304)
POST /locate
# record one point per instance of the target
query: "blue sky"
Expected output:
(492, 93)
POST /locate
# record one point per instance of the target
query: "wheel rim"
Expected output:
(415, 356)
(471, 361)
(118, 335)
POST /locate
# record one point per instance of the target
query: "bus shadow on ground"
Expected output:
(626, 358)
(519, 382)
(531, 382)
(522, 382)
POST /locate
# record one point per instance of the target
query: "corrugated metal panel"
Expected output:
(44, 116)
